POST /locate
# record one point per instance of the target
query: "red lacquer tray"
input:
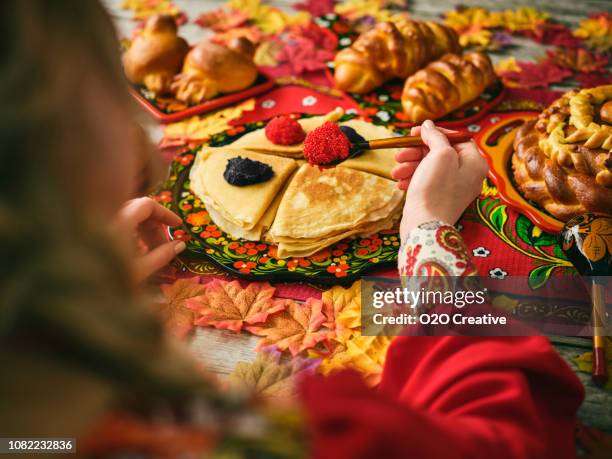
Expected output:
(168, 115)
(496, 145)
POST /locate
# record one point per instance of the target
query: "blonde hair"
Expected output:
(63, 282)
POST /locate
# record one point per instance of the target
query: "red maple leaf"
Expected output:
(590, 80)
(555, 34)
(316, 7)
(536, 75)
(307, 47)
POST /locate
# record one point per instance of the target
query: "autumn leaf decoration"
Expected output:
(596, 31)
(271, 377)
(177, 318)
(296, 329)
(323, 333)
(348, 349)
(226, 305)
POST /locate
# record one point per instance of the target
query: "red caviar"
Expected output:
(326, 144)
(284, 130)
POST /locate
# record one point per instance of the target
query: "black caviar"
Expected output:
(244, 171)
(355, 138)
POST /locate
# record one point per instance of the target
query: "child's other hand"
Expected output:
(143, 219)
(441, 179)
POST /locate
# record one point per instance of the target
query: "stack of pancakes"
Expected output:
(302, 208)
(323, 206)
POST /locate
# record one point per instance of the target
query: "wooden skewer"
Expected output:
(407, 141)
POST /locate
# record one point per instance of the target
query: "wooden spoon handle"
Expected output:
(413, 141)
(599, 373)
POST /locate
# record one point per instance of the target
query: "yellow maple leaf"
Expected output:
(356, 9)
(466, 18)
(344, 307)
(524, 18)
(476, 37)
(200, 128)
(266, 53)
(267, 18)
(145, 8)
(365, 354)
(507, 65)
(596, 32)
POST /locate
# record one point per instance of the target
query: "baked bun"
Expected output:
(210, 69)
(391, 50)
(156, 55)
(563, 160)
(445, 85)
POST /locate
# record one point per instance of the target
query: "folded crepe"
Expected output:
(242, 211)
(298, 248)
(379, 162)
(323, 206)
(257, 140)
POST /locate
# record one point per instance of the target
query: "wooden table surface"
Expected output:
(221, 350)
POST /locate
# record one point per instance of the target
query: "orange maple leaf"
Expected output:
(228, 306)
(174, 313)
(296, 329)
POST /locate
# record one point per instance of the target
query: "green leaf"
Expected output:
(498, 217)
(558, 252)
(523, 229)
(539, 275)
(546, 239)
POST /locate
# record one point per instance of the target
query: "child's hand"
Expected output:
(143, 219)
(441, 179)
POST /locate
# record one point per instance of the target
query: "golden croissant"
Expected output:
(391, 50)
(445, 85)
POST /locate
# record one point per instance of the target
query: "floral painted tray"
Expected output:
(342, 262)
(169, 109)
(497, 142)
(383, 105)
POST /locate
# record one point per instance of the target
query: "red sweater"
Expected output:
(450, 397)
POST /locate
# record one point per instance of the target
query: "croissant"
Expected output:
(391, 50)
(156, 55)
(445, 85)
(210, 69)
(563, 160)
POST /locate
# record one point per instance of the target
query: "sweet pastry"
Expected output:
(445, 85)
(156, 55)
(323, 206)
(563, 160)
(391, 50)
(210, 69)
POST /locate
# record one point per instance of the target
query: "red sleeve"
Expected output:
(443, 397)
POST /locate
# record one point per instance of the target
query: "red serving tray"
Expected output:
(204, 107)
